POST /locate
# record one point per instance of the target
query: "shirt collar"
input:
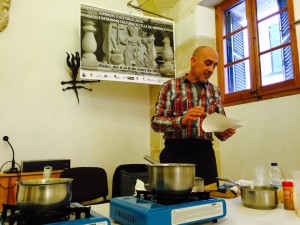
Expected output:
(186, 80)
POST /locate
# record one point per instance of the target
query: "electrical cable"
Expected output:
(18, 176)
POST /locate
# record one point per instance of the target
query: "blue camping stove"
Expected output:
(139, 210)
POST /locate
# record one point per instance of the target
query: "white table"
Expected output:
(237, 214)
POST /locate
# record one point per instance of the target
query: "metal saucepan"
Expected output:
(255, 196)
(259, 197)
(170, 178)
(41, 195)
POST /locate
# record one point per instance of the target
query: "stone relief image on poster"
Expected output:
(4, 14)
(123, 47)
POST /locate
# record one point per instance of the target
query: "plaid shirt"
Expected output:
(176, 97)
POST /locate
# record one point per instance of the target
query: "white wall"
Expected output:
(270, 133)
(109, 127)
(196, 17)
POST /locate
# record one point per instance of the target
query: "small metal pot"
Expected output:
(198, 185)
(41, 195)
(171, 178)
(259, 197)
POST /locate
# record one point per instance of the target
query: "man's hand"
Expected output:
(192, 115)
(227, 133)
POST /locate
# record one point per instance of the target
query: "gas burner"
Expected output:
(12, 215)
(146, 209)
(173, 199)
(76, 213)
(37, 218)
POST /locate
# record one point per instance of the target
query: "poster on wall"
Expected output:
(117, 46)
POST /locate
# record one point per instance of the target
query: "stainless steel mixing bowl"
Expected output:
(259, 197)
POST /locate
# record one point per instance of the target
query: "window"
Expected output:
(259, 46)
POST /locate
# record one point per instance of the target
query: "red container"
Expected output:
(288, 195)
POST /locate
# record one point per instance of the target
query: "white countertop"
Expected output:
(237, 214)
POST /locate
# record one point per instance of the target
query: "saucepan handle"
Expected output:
(149, 159)
(47, 172)
(230, 181)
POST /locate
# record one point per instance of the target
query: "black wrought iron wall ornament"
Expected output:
(73, 63)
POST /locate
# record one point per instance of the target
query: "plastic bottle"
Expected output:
(275, 175)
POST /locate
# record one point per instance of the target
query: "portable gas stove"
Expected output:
(76, 214)
(153, 210)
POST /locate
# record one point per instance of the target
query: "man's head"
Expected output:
(203, 62)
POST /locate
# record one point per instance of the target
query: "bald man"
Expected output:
(182, 105)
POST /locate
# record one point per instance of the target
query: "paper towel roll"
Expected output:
(296, 181)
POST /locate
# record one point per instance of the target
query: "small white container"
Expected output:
(47, 172)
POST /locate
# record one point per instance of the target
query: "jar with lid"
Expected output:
(288, 195)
